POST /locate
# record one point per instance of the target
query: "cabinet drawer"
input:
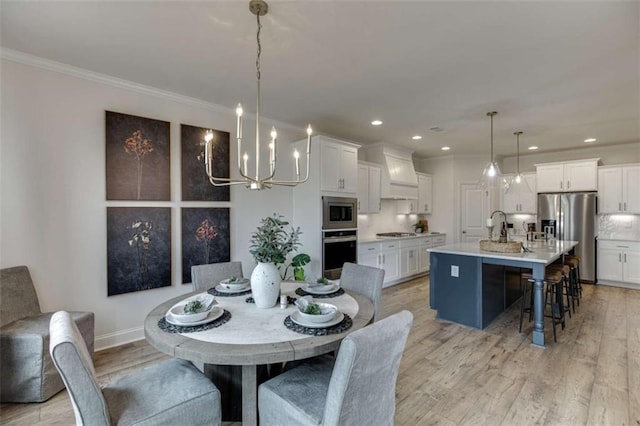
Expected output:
(369, 248)
(438, 240)
(390, 245)
(619, 245)
(410, 243)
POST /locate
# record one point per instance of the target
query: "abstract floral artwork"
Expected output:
(138, 248)
(138, 166)
(195, 184)
(205, 238)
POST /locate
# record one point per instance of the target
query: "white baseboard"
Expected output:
(118, 338)
(619, 284)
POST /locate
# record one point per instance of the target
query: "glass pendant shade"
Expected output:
(491, 175)
(518, 184)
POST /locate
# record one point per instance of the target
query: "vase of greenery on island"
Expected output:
(270, 244)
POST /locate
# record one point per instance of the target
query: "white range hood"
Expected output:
(399, 180)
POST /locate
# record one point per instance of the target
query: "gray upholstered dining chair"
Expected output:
(171, 392)
(26, 371)
(359, 389)
(365, 280)
(203, 277)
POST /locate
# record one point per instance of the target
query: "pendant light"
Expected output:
(518, 183)
(491, 175)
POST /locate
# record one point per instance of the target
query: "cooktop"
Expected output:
(396, 234)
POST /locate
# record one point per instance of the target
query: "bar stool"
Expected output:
(553, 296)
(565, 270)
(574, 263)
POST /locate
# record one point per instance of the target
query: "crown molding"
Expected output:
(59, 67)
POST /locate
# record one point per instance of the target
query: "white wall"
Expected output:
(448, 173)
(52, 181)
(387, 221)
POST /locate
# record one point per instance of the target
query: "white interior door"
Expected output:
(474, 210)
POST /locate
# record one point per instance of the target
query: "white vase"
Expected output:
(265, 285)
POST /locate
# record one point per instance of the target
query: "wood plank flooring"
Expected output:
(455, 375)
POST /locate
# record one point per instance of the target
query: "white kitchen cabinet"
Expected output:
(425, 256)
(410, 257)
(425, 193)
(368, 188)
(618, 189)
(368, 254)
(618, 261)
(570, 176)
(390, 260)
(515, 201)
(406, 206)
(338, 167)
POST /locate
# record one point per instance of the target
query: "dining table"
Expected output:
(250, 337)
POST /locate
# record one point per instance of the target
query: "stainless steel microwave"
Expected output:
(339, 213)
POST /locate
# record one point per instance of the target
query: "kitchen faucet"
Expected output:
(504, 236)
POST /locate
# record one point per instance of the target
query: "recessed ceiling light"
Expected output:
(376, 122)
(416, 137)
(532, 148)
(590, 140)
(445, 148)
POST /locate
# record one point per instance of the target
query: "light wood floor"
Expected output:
(452, 374)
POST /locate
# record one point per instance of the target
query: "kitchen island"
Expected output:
(471, 287)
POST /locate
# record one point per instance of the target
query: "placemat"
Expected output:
(301, 292)
(216, 293)
(341, 327)
(170, 328)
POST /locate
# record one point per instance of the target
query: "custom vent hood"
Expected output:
(399, 180)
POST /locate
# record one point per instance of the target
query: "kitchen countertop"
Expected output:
(542, 251)
(375, 239)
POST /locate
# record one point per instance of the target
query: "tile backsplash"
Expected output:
(619, 227)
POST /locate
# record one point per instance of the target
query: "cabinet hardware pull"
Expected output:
(384, 258)
(625, 206)
(561, 183)
(625, 258)
(620, 206)
(358, 205)
(619, 257)
(568, 184)
(371, 248)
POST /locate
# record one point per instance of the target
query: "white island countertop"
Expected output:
(541, 251)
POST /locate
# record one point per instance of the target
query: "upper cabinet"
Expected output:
(618, 189)
(570, 176)
(520, 201)
(368, 188)
(338, 167)
(425, 193)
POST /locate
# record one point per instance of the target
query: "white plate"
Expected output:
(244, 281)
(215, 313)
(297, 318)
(226, 290)
(325, 289)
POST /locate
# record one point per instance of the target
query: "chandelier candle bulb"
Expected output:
(245, 157)
(296, 155)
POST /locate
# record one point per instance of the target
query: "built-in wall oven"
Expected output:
(339, 234)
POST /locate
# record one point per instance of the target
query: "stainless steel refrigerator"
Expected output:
(572, 216)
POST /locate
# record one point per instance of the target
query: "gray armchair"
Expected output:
(27, 373)
(203, 277)
(359, 389)
(365, 280)
(172, 392)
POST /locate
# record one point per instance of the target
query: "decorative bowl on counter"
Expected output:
(498, 247)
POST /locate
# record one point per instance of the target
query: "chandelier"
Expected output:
(256, 181)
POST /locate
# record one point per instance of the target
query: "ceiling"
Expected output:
(558, 71)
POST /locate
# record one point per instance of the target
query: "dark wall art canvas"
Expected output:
(205, 238)
(138, 164)
(195, 183)
(138, 248)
